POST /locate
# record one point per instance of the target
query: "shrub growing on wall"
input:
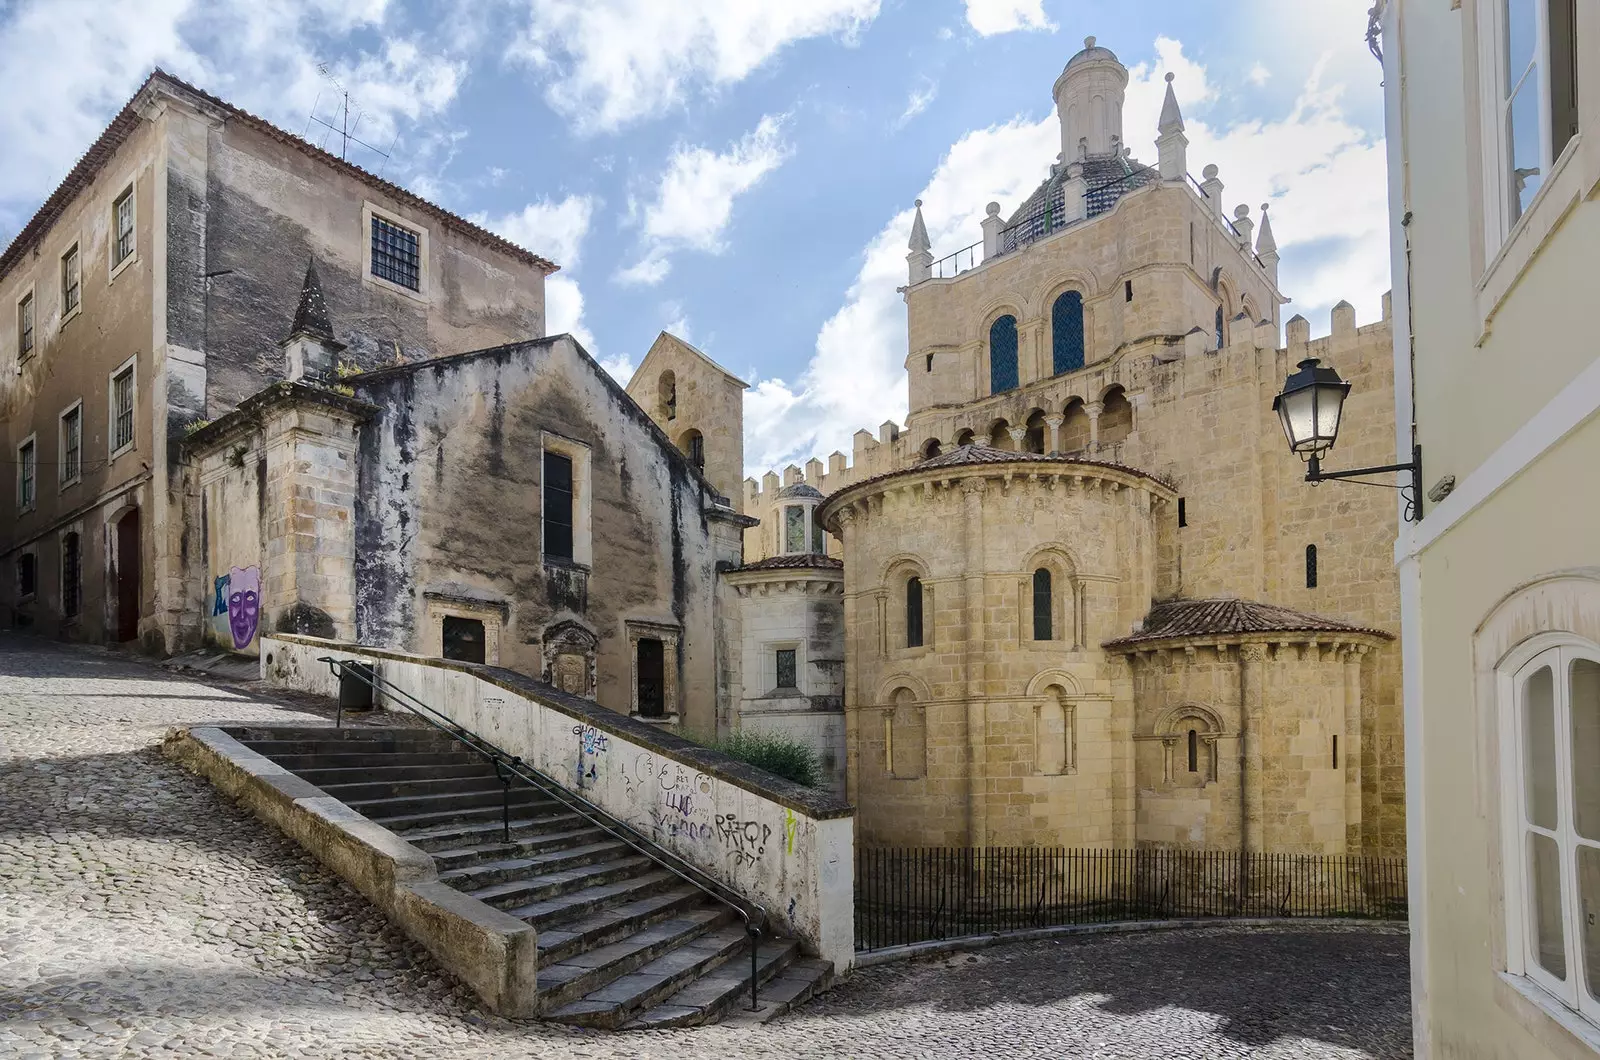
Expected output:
(774, 752)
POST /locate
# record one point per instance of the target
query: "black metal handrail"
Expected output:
(508, 766)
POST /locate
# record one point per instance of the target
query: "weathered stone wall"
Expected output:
(688, 394)
(450, 520)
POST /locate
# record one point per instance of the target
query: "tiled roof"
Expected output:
(975, 455)
(800, 489)
(1210, 618)
(798, 561)
(127, 120)
(1109, 178)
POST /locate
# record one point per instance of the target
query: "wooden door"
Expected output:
(127, 577)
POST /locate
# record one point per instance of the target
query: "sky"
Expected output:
(742, 172)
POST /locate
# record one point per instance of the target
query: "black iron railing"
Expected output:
(906, 895)
(511, 768)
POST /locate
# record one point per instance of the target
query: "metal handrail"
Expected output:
(936, 270)
(507, 766)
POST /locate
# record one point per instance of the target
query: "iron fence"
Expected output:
(906, 895)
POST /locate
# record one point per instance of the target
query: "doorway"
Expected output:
(127, 576)
(464, 639)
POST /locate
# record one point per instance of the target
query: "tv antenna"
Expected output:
(349, 115)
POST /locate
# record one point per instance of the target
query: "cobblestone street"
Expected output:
(141, 913)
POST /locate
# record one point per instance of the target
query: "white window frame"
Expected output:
(27, 504)
(131, 364)
(130, 190)
(582, 497)
(370, 210)
(1555, 650)
(27, 298)
(76, 248)
(63, 477)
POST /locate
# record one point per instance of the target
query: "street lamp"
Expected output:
(1309, 409)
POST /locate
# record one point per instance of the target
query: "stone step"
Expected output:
(803, 979)
(590, 971)
(515, 893)
(473, 878)
(484, 830)
(322, 776)
(622, 998)
(417, 784)
(445, 804)
(726, 989)
(468, 854)
(609, 924)
(561, 909)
(365, 760)
(382, 745)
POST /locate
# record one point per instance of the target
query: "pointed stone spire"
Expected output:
(1267, 246)
(311, 352)
(1172, 145)
(919, 261)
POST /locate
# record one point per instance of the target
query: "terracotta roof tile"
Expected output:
(127, 120)
(973, 455)
(1202, 618)
(798, 561)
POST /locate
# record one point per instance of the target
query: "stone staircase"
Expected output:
(623, 943)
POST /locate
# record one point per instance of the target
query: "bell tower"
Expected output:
(1089, 95)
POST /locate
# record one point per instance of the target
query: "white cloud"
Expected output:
(693, 203)
(1323, 175)
(610, 62)
(989, 17)
(556, 230)
(918, 102)
(1258, 75)
(77, 61)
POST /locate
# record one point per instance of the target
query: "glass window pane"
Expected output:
(1521, 35)
(1539, 748)
(794, 528)
(1547, 939)
(1584, 707)
(1522, 139)
(786, 668)
(1589, 917)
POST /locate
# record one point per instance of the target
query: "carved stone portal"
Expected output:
(569, 658)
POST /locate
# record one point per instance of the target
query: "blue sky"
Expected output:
(742, 171)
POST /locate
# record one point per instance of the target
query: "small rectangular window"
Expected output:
(27, 574)
(794, 529)
(1311, 566)
(122, 409)
(25, 325)
(71, 574)
(395, 254)
(71, 444)
(930, 362)
(1336, 750)
(122, 226)
(557, 506)
(786, 667)
(463, 639)
(27, 474)
(71, 281)
(1183, 513)
(1127, 290)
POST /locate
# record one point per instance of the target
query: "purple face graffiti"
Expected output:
(244, 604)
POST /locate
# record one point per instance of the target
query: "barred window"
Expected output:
(395, 254)
(122, 409)
(1042, 604)
(786, 668)
(122, 219)
(71, 567)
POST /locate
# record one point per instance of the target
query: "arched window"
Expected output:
(1116, 417)
(1311, 566)
(930, 449)
(964, 438)
(914, 613)
(1042, 604)
(1194, 751)
(1066, 333)
(1221, 339)
(1003, 354)
(1000, 435)
(694, 447)
(1034, 440)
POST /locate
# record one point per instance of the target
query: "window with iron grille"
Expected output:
(1311, 566)
(557, 506)
(786, 668)
(71, 444)
(122, 409)
(914, 613)
(71, 280)
(1042, 604)
(71, 574)
(25, 326)
(1003, 354)
(27, 474)
(122, 220)
(1066, 333)
(395, 254)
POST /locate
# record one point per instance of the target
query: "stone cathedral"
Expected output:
(1083, 596)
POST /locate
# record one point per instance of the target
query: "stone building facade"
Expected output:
(1088, 598)
(156, 284)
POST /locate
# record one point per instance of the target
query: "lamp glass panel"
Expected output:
(1330, 402)
(1298, 411)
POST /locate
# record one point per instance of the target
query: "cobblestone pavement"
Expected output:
(141, 913)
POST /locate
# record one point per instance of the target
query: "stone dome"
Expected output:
(800, 490)
(1092, 52)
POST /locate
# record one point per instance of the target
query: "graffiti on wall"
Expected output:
(237, 595)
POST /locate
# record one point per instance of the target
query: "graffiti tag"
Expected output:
(592, 740)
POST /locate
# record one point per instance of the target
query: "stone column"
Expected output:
(1252, 682)
(1019, 437)
(1350, 750)
(972, 490)
(1094, 408)
(1054, 423)
(854, 638)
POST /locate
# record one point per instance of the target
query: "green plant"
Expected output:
(775, 752)
(195, 425)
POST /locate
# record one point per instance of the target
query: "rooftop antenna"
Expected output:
(345, 130)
